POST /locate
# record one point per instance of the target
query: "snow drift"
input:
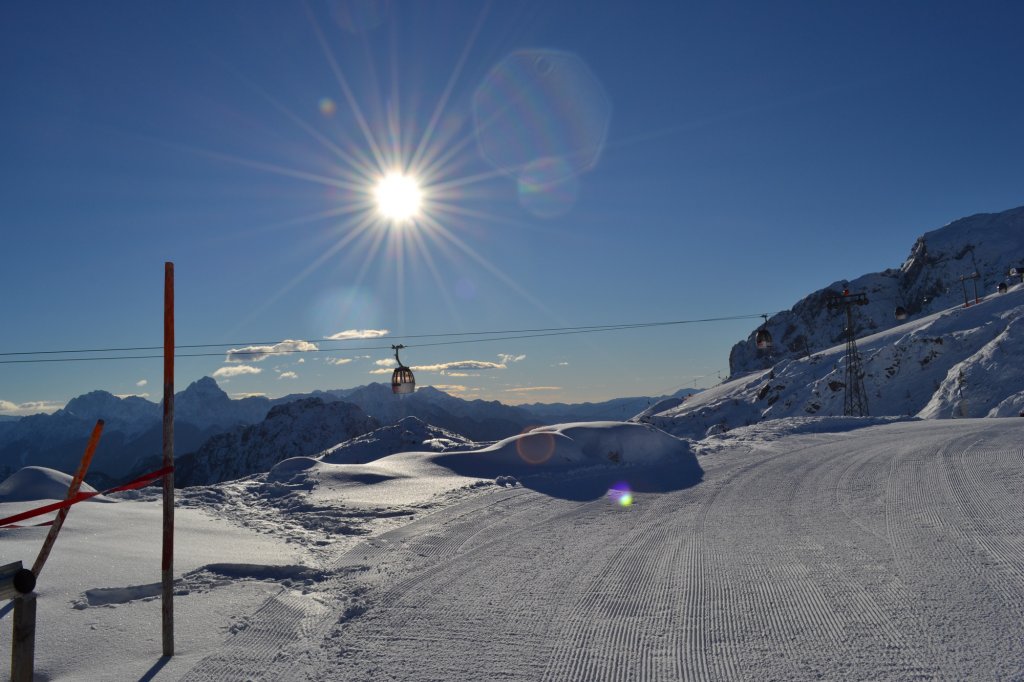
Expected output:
(568, 460)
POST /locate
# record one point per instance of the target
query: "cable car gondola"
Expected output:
(763, 339)
(402, 380)
(901, 313)
(1001, 288)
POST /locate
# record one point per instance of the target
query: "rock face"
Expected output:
(302, 427)
(928, 281)
(205, 405)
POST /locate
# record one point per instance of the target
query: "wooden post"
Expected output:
(76, 484)
(23, 643)
(167, 562)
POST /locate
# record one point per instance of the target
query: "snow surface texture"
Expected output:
(960, 362)
(928, 281)
(812, 549)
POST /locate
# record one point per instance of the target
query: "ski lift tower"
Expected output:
(855, 403)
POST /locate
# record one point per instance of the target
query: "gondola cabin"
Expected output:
(402, 379)
(762, 339)
(1001, 288)
(901, 313)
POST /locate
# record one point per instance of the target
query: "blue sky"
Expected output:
(703, 160)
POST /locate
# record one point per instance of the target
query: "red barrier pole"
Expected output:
(167, 562)
(76, 483)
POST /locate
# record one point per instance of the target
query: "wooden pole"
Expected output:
(76, 484)
(167, 563)
(23, 641)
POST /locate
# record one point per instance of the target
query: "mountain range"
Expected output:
(206, 417)
(959, 352)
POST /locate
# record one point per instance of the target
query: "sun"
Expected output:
(398, 197)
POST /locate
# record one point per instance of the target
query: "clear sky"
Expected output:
(581, 163)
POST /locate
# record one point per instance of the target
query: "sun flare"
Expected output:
(398, 197)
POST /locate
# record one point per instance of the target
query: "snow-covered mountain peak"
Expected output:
(407, 434)
(931, 279)
(958, 362)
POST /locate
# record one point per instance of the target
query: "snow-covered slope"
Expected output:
(303, 427)
(810, 549)
(954, 363)
(928, 281)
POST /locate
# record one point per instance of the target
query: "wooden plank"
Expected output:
(76, 484)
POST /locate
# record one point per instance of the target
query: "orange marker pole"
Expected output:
(76, 483)
(167, 561)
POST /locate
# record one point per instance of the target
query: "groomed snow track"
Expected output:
(889, 553)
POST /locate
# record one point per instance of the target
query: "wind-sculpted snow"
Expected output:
(39, 483)
(960, 362)
(551, 458)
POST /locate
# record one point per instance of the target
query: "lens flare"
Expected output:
(536, 447)
(327, 107)
(621, 494)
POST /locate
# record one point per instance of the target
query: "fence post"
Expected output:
(17, 583)
(23, 643)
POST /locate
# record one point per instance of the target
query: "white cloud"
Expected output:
(458, 368)
(451, 388)
(457, 390)
(288, 375)
(32, 407)
(235, 371)
(563, 364)
(239, 396)
(506, 358)
(459, 365)
(257, 353)
(301, 361)
(131, 395)
(358, 334)
(338, 361)
(530, 389)
(141, 382)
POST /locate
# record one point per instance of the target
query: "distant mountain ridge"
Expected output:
(293, 429)
(133, 432)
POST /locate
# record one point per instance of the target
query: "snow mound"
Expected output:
(39, 483)
(562, 454)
